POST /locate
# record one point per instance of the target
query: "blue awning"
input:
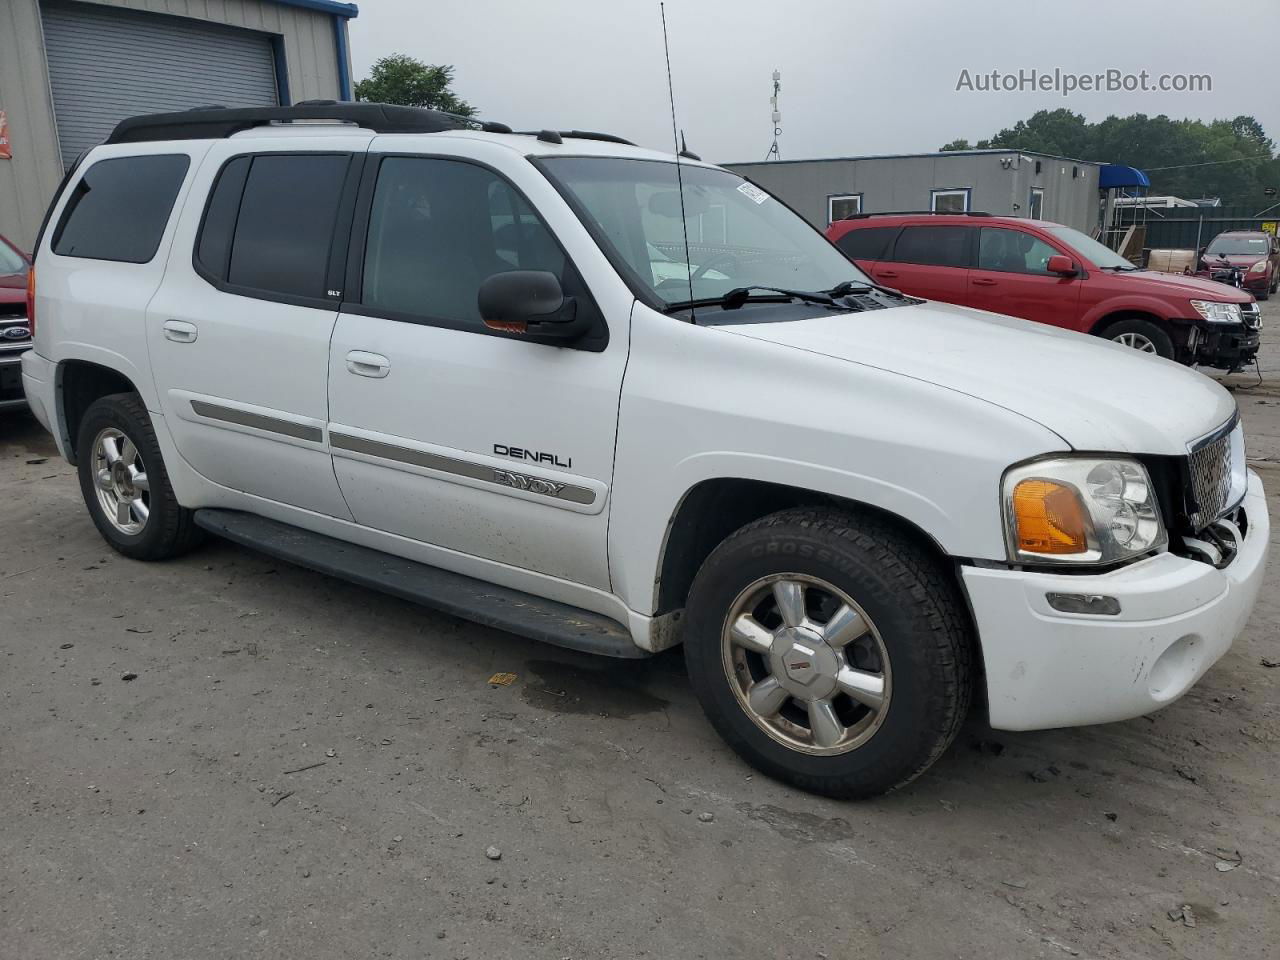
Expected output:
(1114, 175)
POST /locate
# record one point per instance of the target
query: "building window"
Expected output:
(842, 206)
(951, 200)
(1036, 211)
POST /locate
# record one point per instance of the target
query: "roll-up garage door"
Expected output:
(106, 64)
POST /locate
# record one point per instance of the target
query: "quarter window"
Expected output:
(934, 246)
(440, 228)
(867, 243)
(119, 209)
(1013, 251)
(950, 201)
(843, 206)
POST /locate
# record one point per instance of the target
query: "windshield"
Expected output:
(10, 262)
(1239, 246)
(739, 236)
(1103, 257)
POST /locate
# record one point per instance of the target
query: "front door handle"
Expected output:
(984, 282)
(179, 331)
(364, 364)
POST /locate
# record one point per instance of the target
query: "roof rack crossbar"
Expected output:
(917, 213)
(215, 123)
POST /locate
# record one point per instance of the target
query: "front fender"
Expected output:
(1129, 304)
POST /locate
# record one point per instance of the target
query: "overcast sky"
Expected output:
(858, 76)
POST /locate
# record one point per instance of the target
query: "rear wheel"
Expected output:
(829, 651)
(1141, 335)
(124, 482)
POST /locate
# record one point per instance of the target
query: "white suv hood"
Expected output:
(1094, 394)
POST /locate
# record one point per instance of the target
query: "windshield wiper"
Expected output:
(847, 288)
(735, 298)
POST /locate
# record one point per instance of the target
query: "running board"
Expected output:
(465, 597)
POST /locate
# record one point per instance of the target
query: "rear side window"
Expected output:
(934, 246)
(284, 227)
(868, 243)
(119, 209)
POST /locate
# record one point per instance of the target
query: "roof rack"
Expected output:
(559, 136)
(217, 122)
(917, 213)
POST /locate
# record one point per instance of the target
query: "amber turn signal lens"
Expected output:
(1049, 518)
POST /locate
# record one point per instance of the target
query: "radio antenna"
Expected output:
(675, 140)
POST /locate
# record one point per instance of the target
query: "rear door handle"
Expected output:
(886, 273)
(179, 331)
(984, 282)
(364, 364)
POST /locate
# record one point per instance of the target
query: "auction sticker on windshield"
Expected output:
(753, 192)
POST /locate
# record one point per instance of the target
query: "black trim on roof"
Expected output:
(219, 122)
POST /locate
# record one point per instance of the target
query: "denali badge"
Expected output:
(15, 333)
(547, 488)
(520, 453)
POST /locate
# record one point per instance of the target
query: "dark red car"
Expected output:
(1053, 274)
(1254, 252)
(15, 332)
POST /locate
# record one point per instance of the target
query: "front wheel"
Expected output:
(124, 482)
(830, 651)
(1141, 335)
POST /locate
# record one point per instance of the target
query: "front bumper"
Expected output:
(1226, 345)
(11, 395)
(1177, 618)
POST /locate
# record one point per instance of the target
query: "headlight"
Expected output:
(1216, 312)
(1080, 510)
(1259, 267)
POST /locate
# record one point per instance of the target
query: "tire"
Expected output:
(1275, 282)
(918, 639)
(1141, 335)
(152, 524)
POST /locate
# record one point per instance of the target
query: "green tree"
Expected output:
(1233, 159)
(402, 79)
(960, 143)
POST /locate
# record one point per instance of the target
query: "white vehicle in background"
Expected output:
(857, 510)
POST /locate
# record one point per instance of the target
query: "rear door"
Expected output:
(931, 261)
(239, 331)
(1010, 278)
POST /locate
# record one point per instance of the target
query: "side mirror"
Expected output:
(1061, 265)
(529, 303)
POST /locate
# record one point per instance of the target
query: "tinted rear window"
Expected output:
(868, 243)
(934, 246)
(119, 209)
(285, 224)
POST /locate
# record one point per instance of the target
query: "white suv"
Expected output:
(617, 400)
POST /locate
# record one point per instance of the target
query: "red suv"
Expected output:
(1256, 253)
(1054, 274)
(15, 330)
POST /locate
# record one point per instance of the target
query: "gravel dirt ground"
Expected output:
(302, 768)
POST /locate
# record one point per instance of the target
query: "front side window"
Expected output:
(950, 201)
(120, 207)
(636, 211)
(439, 228)
(1013, 251)
(843, 207)
(934, 246)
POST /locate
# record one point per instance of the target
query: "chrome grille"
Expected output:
(1210, 468)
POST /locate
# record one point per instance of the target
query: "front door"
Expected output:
(443, 431)
(1010, 277)
(239, 333)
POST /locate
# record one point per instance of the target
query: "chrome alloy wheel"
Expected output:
(1135, 340)
(120, 478)
(806, 664)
